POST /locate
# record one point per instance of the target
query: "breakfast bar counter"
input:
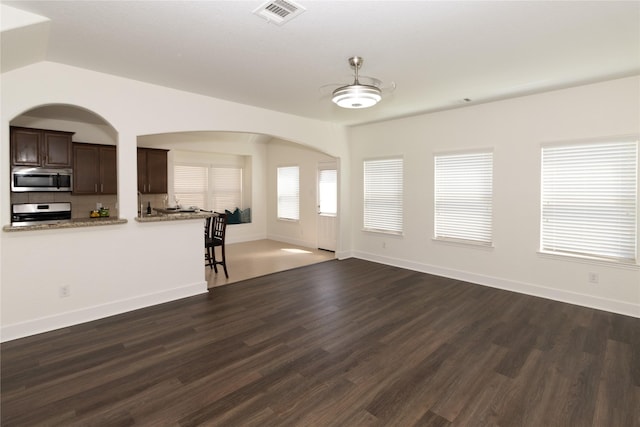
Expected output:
(71, 223)
(162, 214)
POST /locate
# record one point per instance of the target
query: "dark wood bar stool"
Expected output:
(215, 231)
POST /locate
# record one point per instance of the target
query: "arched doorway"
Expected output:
(265, 243)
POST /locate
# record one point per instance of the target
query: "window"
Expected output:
(464, 197)
(208, 187)
(383, 193)
(328, 192)
(191, 185)
(289, 193)
(226, 188)
(589, 200)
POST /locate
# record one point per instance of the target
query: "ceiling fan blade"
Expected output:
(389, 88)
(371, 81)
(331, 85)
(326, 91)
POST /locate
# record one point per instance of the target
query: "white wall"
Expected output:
(305, 231)
(117, 268)
(515, 129)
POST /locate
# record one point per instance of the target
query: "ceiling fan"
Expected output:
(357, 94)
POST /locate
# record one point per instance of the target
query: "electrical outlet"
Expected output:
(64, 291)
(593, 278)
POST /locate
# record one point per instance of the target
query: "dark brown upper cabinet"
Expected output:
(40, 147)
(152, 171)
(94, 169)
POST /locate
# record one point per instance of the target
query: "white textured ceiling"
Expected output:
(437, 52)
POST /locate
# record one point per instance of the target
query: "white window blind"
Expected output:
(289, 193)
(464, 197)
(383, 195)
(328, 191)
(191, 185)
(589, 200)
(207, 187)
(226, 188)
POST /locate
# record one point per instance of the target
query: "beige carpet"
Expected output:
(252, 259)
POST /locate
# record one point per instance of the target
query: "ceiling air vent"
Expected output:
(279, 11)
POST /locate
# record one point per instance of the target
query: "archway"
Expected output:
(94, 185)
(259, 156)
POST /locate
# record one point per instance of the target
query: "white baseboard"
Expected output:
(87, 314)
(289, 240)
(614, 306)
(244, 238)
(63, 320)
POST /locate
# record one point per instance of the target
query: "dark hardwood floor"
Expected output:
(341, 343)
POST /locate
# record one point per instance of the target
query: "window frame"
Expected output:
(321, 169)
(399, 229)
(585, 256)
(278, 196)
(488, 225)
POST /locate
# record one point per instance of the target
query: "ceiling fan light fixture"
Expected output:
(357, 96)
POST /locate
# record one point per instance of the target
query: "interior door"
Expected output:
(327, 206)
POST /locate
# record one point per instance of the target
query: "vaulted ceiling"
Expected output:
(437, 53)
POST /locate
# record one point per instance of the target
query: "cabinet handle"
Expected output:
(102, 188)
(95, 186)
(149, 188)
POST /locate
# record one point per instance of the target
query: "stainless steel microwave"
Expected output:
(25, 178)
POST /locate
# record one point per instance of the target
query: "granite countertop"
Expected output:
(173, 215)
(160, 216)
(72, 223)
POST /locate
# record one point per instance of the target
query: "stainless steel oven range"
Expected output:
(40, 213)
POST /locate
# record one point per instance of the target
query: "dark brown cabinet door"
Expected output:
(108, 170)
(25, 147)
(156, 171)
(152, 171)
(142, 170)
(56, 149)
(86, 164)
(94, 169)
(38, 147)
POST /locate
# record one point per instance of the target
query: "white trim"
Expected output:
(289, 240)
(463, 243)
(237, 236)
(88, 314)
(628, 137)
(614, 306)
(387, 232)
(583, 259)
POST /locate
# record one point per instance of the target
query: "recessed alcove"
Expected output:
(88, 127)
